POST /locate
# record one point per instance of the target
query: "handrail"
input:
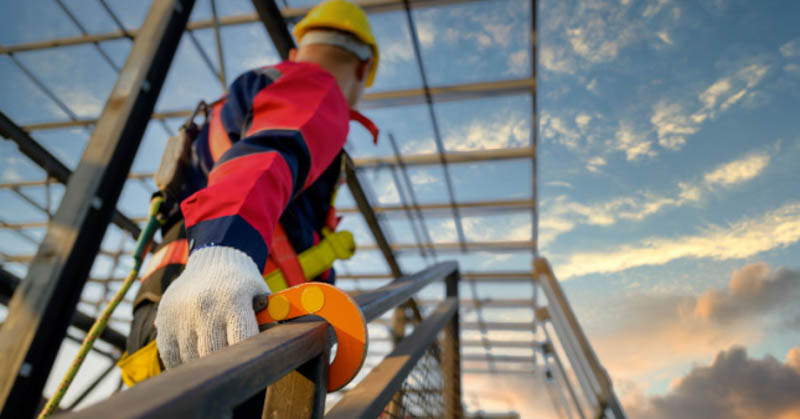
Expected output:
(373, 393)
(590, 373)
(212, 386)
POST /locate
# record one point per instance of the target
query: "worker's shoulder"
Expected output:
(284, 71)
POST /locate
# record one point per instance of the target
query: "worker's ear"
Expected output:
(363, 69)
(292, 54)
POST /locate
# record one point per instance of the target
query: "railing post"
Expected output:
(399, 322)
(301, 393)
(451, 361)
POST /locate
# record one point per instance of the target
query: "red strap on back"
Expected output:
(218, 140)
(282, 256)
(369, 125)
(175, 252)
(331, 219)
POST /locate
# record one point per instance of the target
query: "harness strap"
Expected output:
(282, 256)
(174, 252)
(218, 140)
(369, 125)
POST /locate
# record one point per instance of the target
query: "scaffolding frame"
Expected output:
(375, 215)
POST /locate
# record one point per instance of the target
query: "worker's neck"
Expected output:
(343, 72)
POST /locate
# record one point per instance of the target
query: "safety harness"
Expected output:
(284, 267)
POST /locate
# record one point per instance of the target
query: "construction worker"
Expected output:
(259, 188)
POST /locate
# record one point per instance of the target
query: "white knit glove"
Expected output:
(209, 306)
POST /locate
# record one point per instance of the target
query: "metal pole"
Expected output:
(451, 363)
(54, 167)
(271, 17)
(40, 312)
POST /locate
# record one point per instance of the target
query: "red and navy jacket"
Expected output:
(271, 152)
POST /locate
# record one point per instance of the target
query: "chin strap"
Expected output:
(369, 125)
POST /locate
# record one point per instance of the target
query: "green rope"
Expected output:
(143, 242)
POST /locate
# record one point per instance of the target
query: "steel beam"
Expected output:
(473, 246)
(449, 157)
(467, 208)
(9, 283)
(431, 210)
(500, 276)
(51, 165)
(39, 313)
(369, 216)
(405, 97)
(370, 6)
(270, 16)
(506, 326)
(500, 344)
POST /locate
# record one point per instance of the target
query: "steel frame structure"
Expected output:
(543, 353)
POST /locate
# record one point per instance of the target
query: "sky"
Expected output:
(668, 203)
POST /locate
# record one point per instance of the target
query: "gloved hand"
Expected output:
(209, 306)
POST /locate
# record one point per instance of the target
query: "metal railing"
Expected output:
(291, 361)
(592, 378)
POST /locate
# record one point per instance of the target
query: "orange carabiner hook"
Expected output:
(339, 310)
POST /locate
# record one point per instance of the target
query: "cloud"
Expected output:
(557, 129)
(652, 9)
(506, 128)
(739, 170)
(556, 60)
(420, 178)
(673, 124)
(589, 43)
(646, 336)
(518, 63)
(745, 238)
(595, 163)
(559, 183)
(588, 33)
(426, 32)
(506, 393)
(664, 37)
(561, 215)
(11, 173)
(633, 144)
(582, 120)
(498, 228)
(752, 290)
(733, 386)
(790, 49)
(793, 358)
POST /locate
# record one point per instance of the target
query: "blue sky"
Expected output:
(668, 141)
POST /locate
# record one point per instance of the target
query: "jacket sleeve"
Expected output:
(287, 124)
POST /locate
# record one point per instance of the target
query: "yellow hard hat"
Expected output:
(343, 16)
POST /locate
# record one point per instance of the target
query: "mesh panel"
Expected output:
(421, 395)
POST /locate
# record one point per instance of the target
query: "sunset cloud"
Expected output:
(640, 335)
(744, 238)
(733, 386)
(751, 291)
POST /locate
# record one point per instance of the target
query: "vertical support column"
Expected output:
(451, 361)
(399, 321)
(43, 305)
(301, 393)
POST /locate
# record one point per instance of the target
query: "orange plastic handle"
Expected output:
(339, 310)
